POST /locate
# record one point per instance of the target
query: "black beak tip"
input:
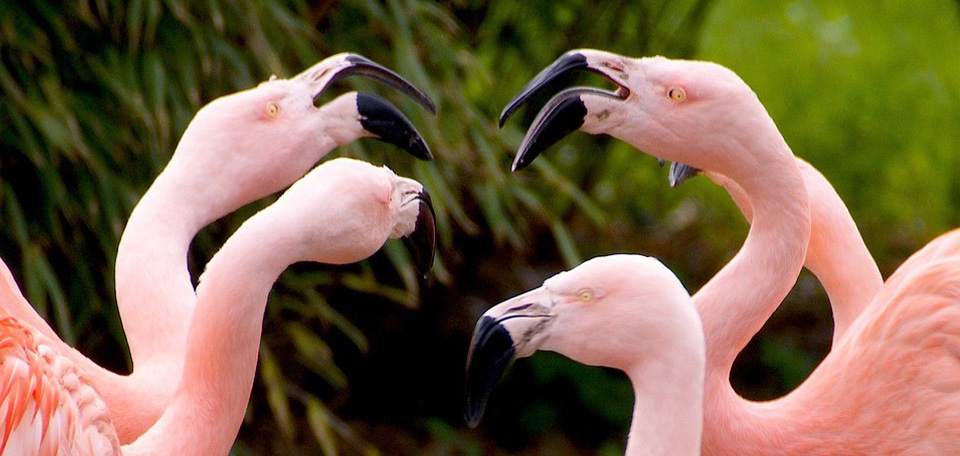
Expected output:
(563, 115)
(523, 159)
(491, 353)
(680, 172)
(388, 124)
(571, 61)
(364, 66)
(422, 242)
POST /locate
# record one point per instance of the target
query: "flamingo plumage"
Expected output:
(892, 384)
(46, 406)
(237, 149)
(627, 312)
(341, 212)
(836, 253)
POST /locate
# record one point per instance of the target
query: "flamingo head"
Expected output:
(609, 311)
(692, 112)
(258, 141)
(369, 204)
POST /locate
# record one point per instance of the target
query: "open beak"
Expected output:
(565, 113)
(422, 242)
(378, 117)
(512, 329)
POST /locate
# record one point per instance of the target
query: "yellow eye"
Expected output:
(273, 110)
(677, 94)
(585, 295)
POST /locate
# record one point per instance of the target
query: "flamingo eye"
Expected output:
(585, 295)
(677, 94)
(273, 110)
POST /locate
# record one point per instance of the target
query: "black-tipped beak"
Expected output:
(603, 63)
(680, 172)
(491, 353)
(569, 62)
(422, 242)
(341, 66)
(563, 114)
(386, 123)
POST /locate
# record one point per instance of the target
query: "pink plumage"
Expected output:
(891, 384)
(237, 149)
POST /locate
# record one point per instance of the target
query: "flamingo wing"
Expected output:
(892, 386)
(46, 407)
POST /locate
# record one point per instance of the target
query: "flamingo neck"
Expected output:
(740, 298)
(737, 301)
(668, 409)
(222, 349)
(155, 294)
(837, 254)
(135, 401)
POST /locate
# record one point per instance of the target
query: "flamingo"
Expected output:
(237, 149)
(836, 253)
(627, 312)
(341, 212)
(892, 384)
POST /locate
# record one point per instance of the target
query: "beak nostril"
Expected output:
(521, 307)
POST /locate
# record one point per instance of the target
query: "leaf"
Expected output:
(276, 397)
(317, 417)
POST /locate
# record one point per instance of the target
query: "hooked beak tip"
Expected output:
(491, 353)
(422, 242)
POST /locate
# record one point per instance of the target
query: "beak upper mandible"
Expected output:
(340, 66)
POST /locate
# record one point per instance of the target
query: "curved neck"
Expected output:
(222, 348)
(155, 295)
(837, 254)
(740, 298)
(736, 302)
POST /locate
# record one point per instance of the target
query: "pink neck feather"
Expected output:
(223, 344)
(736, 302)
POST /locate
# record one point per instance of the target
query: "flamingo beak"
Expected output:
(337, 67)
(378, 117)
(385, 122)
(422, 242)
(510, 330)
(565, 113)
(680, 172)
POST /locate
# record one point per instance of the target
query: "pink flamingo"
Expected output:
(341, 212)
(627, 312)
(836, 253)
(892, 384)
(237, 149)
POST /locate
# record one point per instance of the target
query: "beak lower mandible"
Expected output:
(385, 122)
(512, 329)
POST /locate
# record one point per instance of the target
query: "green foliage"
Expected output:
(869, 95)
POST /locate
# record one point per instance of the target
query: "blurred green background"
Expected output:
(363, 359)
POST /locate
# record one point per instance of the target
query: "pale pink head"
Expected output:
(371, 205)
(615, 311)
(244, 146)
(693, 112)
